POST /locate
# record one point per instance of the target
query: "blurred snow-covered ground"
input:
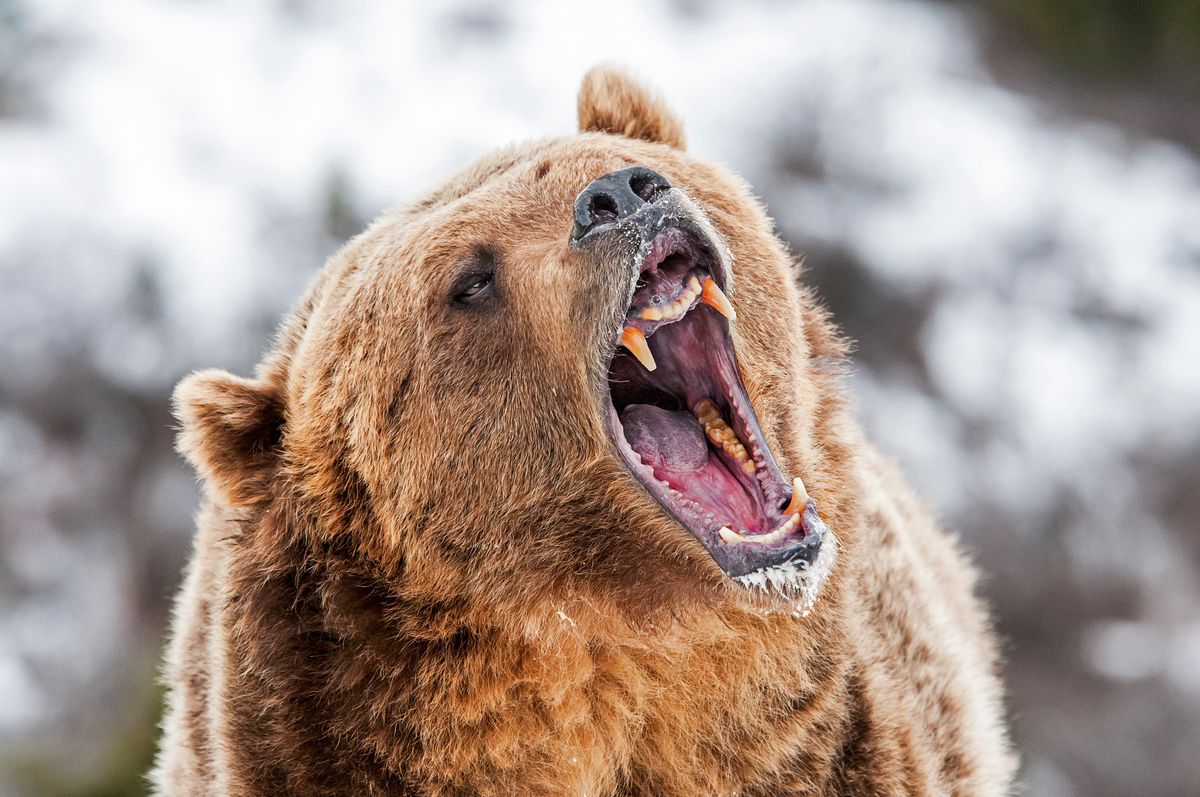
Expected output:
(1024, 287)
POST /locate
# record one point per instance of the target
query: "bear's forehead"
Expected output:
(542, 168)
(406, 255)
(516, 202)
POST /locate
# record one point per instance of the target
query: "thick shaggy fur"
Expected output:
(421, 569)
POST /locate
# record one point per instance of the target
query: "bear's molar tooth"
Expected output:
(706, 411)
(715, 298)
(722, 434)
(652, 314)
(634, 339)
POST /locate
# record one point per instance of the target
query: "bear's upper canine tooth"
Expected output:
(634, 339)
(715, 298)
(799, 498)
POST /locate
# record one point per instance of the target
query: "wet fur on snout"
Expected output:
(420, 568)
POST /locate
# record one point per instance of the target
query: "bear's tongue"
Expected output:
(702, 469)
(669, 442)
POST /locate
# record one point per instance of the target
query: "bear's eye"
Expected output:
(476, 282)
(475, 288)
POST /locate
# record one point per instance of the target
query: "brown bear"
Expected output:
(548, 486)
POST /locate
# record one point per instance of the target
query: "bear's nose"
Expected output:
(616, 196)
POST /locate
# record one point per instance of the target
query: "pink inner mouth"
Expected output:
(683, 423)
(673, 444)
(725, 476)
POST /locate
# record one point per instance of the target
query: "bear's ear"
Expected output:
(610, 101)
(231, 428)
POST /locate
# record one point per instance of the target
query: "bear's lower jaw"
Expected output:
(684, 427)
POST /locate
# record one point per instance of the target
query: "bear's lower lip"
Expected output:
(684, 427)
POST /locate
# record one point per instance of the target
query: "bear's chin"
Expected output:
(685, 429)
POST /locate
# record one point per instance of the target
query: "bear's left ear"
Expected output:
(610, 101)
(231, 428)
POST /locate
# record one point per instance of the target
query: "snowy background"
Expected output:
(1015, 248)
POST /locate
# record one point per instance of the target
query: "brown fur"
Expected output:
(420, 568)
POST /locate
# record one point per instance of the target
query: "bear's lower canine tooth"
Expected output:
(799, 498)
(729, 535)
(715, 298)
(634, 339)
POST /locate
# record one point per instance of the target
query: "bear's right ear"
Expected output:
(610, 101)
(231, 428)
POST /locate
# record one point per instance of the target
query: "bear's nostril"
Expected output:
(645, 187)
(603, 209)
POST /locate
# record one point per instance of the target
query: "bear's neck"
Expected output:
(416, 692)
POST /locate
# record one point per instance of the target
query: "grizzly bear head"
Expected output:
(581, 373)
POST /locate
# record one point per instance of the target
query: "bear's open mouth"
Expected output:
(683, 424)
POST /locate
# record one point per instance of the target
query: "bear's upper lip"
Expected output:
(682, 422)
